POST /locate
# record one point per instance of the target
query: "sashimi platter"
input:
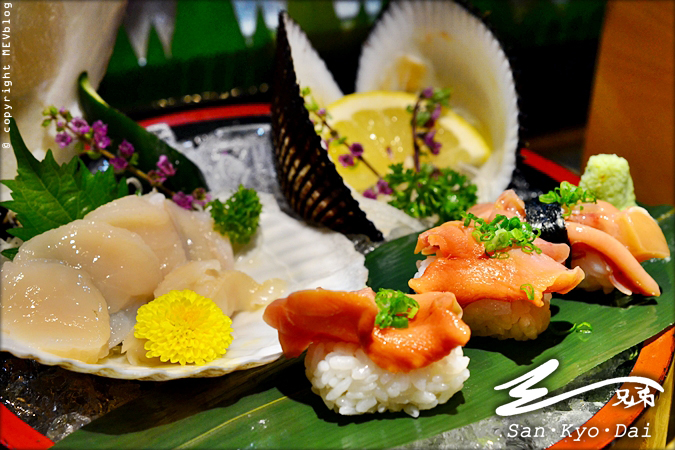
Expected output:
(396, 272)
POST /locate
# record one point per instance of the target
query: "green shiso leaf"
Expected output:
(46, 195)
(149, 147)
(10, 253)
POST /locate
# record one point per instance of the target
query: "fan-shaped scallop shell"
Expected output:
(440, 43)
(303, 256)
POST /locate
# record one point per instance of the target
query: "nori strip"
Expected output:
(548, 217)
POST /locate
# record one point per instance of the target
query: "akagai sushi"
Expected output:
(373, 353)
(502, 274)
(609, 244)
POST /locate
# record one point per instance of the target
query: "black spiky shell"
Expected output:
(308, 179)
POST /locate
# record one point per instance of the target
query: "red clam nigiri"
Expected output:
(633, 227)
(320, 315)
(358, 367)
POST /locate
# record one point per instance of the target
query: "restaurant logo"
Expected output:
(525, 396)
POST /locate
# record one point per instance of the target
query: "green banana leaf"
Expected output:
(273, 406)
(149, 147)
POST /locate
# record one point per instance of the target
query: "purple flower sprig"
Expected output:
(319, 117)
(425, 113)
(381, 188)
(93, 139)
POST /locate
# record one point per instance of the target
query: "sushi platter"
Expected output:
(314, 272)
(277, 397)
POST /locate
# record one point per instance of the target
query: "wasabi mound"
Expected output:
(608, 177)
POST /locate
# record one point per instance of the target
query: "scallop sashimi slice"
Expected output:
(120, 263)
(147, 217)
(231, 290)
(200, 241)
(417, 44)
(54, 308)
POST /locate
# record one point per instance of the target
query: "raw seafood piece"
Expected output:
(320, 315)
(605, 258)
(507, 297)
(633, 227)
(358, 367)
(120, 263)
(54, 308)
(200, 241)
(231, 290)
(508, 204)
(147, 217)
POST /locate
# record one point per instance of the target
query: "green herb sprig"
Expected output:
(502, 234)
(568, 195)
(239, 217)
(396, 309)
(431, 191)
(46, 195)
(425, 112)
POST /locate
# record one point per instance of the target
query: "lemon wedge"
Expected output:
(378, 120)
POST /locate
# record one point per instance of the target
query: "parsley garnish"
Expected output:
(239, 216)
(502, 234)
(568, 195)
(46, 195)
(396, 309)
(431, 191)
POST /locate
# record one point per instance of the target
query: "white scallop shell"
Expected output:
(306, 257)
(458, 51)
(392, 222)
(310, 69)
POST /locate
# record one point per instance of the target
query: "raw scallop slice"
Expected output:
(200, 241)
(231, 290)
(120, 263)
(147, 217)
(54, 308)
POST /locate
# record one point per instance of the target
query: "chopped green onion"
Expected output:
(396, 309)
(568, 195)
(529, 290)
(584, 327)
(502, 234)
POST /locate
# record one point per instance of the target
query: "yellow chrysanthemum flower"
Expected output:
(183, 327)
